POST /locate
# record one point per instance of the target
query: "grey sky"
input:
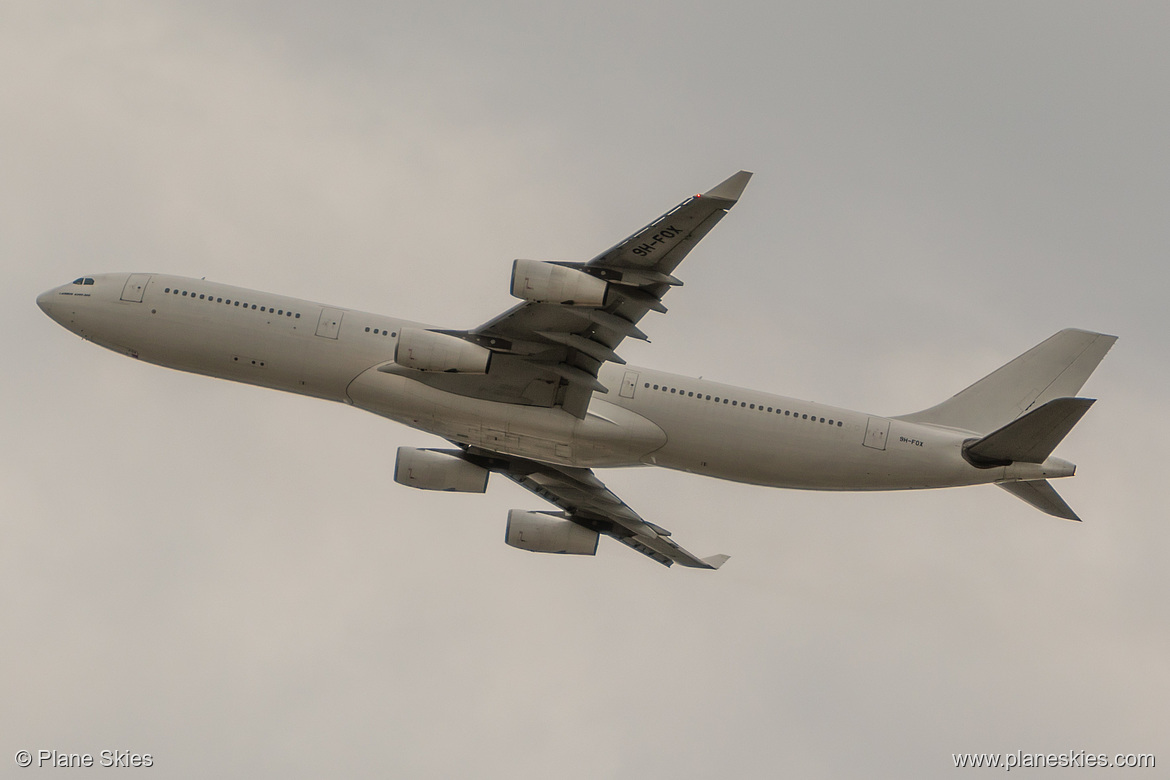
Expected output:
(228, 578)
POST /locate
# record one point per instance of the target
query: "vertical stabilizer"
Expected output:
(1055, 368)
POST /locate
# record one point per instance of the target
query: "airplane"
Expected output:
(540, 394)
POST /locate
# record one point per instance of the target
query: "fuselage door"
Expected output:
(875, 433)
(135, 286)
(330, 323)
(629, 384)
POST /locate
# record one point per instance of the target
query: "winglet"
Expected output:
(715, 561)
(730, 189)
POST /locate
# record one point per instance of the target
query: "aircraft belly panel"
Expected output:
(607, 436)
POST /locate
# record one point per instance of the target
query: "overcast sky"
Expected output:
(228, 578)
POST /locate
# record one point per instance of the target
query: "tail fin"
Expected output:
(1055, 368)
(1041, 495)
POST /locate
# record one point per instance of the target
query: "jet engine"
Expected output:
(438, 470)
(540, 282)
(426, 350)
(549, 532)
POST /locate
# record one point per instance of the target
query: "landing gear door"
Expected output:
(629, 384)
(135, 287)
(876, 432)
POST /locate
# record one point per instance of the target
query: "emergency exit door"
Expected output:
(330, 323)
(135, 286)
(629, 384)
(876, 432)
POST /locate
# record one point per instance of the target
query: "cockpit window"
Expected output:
(83, 280)
(88, 280)
(79, 281)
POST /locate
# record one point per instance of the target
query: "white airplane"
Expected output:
(540, 395)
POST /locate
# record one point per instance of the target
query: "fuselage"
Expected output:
(648, 417)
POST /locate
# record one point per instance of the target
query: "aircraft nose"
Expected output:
(45, 301)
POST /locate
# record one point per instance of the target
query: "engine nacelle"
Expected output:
(540, 282)
(549, 532)
(438, 470)
(425, 350)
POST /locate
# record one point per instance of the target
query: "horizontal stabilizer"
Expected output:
(1031, 438)
(1041, 495)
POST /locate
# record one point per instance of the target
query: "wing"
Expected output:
(549, 353)
(588, 502)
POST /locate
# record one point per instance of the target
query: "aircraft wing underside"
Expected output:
(588, 502)
(549, 354)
